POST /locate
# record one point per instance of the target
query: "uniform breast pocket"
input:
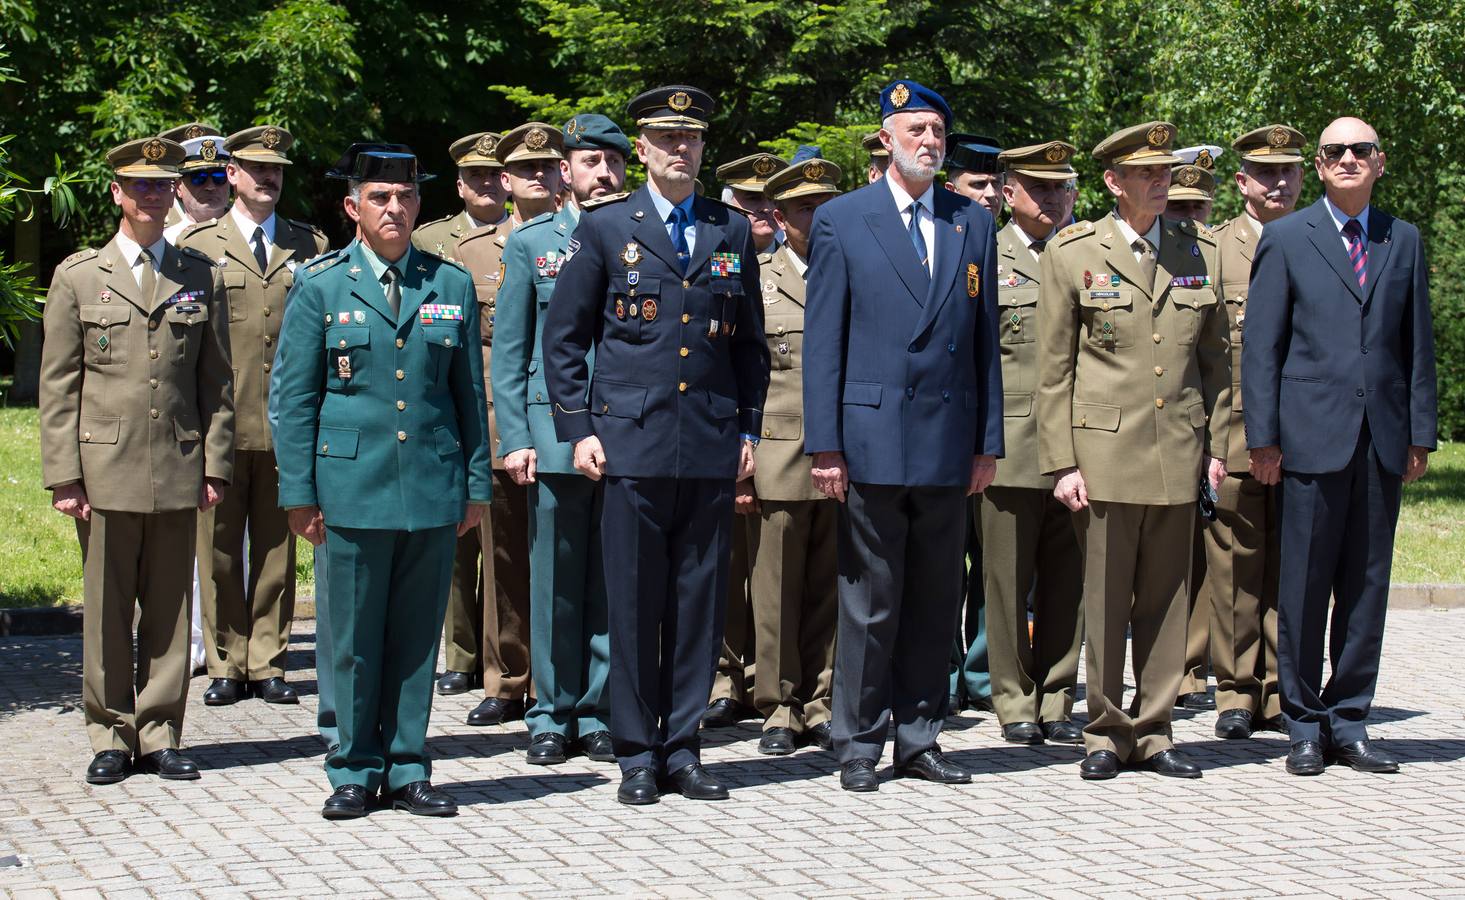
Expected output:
(635, 302)
(727, 299)
(106, 334)
(1191, 306)
(785, 340)
(234, 291)
(187, 321)
(1108, 318)
(1017, 314)
(442, 342)
(348, 349)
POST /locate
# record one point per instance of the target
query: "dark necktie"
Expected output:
(918, 240)
(1357, 250)
(390, 280)
(260, 255)
(679, 236)
(147, 281)
(1037, 247)
(1146, 259)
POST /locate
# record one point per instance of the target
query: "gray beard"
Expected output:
(909, 166)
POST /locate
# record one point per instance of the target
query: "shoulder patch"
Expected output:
(323, 262)
(198, 255)
(195, 228)
(1077, 229)
(78, 256)
(602, 201)
(765, 258)
(444, 261)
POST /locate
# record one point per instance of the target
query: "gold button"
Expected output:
(401, 374)
(768, 432)
(605, 407)
(267, 312)
(401, 343)
(684, 351)
(86, 435)
(538, 397)
(1105, 307)
(267, 367)
(104, 320)
(269, 340)
(447, 342)
(1159, 370)
(153, 413)
(1083, 422)
(1159, 403)
(686, 317)
(153, 383)
(152, 325)
(401, 435)
(401, 404)
(682, 387)
(343, 342)
(325, 447)
(686, 284)
(1156, 336)
(152, 354)
(780, 329)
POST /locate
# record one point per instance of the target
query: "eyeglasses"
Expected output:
(199, 179)
(149, 185)
(1361, 150)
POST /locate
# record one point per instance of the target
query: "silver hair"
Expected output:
(727, 195)
(353, 187)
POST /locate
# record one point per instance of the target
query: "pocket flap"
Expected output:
(537, 391)
(1197, 415)
(617, 398)
(1017, 296)
(234, 280)
(645, 284)
(862, 393)
(721, 407)
(333, 440)
(345, 336)
(1108, 298)
(106, 315)
(184, 432)
(1096, 415)
(442, 335)
(783, 427)
(1194, 298)
(727, 285)
(1017, 404)
(447, 442)
(100, 429)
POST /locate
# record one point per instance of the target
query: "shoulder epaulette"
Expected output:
(1075, 230)
(1195, 229)
(539, 219)
(78, 256)
(602, 201)
(445, 261)
(435, 222)
(324, 261)
(195, 228)
(198, 255)
(307, 226)
(765, 258)
(481, 232)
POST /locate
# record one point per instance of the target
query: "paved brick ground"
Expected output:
(1026, 826)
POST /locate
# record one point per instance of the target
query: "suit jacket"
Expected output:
(1018, 280)
(381, 418)
(440, 237)
(1323, 355)
(671, 390)
(901, 368)
(136, 401)
(481, 252)
(1134, 380)
(1236, 243)
(255, 302)
(782, 471)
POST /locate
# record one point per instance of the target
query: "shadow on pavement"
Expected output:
(517, 788)
(40, 673)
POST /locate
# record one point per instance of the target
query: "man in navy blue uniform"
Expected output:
(903, 408)
(1338, 388)
(663, 285)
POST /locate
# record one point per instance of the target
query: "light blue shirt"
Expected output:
(664, 208)
(378, 265)
(1340, 219)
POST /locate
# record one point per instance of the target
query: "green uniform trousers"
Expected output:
(385, 599)
(1029, 549)
(736, 665)
(247, 609)
(1136, 574)
(971, 678)
(136, 561)
(569, 633)
(1243, 563)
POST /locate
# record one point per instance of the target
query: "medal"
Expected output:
(343, 367)
(631, 255)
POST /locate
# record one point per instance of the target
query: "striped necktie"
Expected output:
(1357, 250)
(918, 240)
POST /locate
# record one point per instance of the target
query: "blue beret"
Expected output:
(804, 153)
(907, 96)
(592, 131)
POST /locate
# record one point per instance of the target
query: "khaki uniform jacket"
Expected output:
(1018, 280)
(1236, 242)
(782, 471)
(440, 237)
(1135, 379)
(255, 302)
(481, 252)
(136, 401)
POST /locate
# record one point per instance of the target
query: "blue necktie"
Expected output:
(679, 236)
(917, 239)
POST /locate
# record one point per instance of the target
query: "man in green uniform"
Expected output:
(382, 442)
(1029, 548)
(569, 634)
(248, 605)
(1134, 406)
(137, 435)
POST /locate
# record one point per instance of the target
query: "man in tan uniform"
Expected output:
(1133, 410)
(732, 697)
(879, 157)
(794, 592)
(137, 435)
(247, 607)
(197, 199)
(1242, 544)
(529, 156)
(483, 194)
(1029, 547)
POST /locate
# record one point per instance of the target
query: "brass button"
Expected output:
(269, 340)
(684, 351)
(153, 383)
(1156, 336)
(325, 447)
(401, 343)
(106, 298)
(401, 435)
(1159, 370)
(267, 312)
(104, 320)
(682, 387)
(86, 435)
(152, 354)
(447, 342)
(152, 325)
(686, 318)
(686, 284)
(1083, 422)
(780, 329)
(401, 404)
(153, 413)
(1159, 403)
(768, 432)
(343, 342)
(1105, 307)
(605, 407)
(267, 367)
(538, 397)
(401, 374)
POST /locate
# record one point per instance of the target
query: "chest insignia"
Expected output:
(358, 316)
(183, 297)
(973, 280)
(633, 277)
(726, 265)
(783, 348)
(1190, 281)
(648, 309)
(439, 312)
(631, 255)
(343, 318)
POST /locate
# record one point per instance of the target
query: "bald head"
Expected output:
(1348, 130)
(1348, 162)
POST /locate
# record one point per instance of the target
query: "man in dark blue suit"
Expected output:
(663, 285)
(903, 405)
(1338, 387)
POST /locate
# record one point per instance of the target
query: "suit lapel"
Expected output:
(1166, 261)
(1120, 256)
(1380, 242)
(119, 277)
(364, 286)
(650, 230)
(1014, 255)
(951, 231)
(236, 246)
(168, 272)
(710, 234)
(788, 281)
(1326, 238)
(885, 223)
(282, 250)
(415, 290)
(1244, 237)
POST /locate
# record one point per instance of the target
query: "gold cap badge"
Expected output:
(208, 151)
(485, 144)
(153, 150)
(813, 171)
(1055, 154)
(764, 166)
(270, 138)
(536, 139)
(193, 133)
(1158, 136)
(900, 96)
(1277, 137)
(680, 101)
(1189, 177)
(1205, 160)
(571, 126)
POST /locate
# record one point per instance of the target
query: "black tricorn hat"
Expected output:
(379, 162)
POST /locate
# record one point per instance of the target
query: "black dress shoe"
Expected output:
(223, 692)
(546, 749)
(821, 736)
(169, 764)
(1364, 757)
(350, 801)
(1099, 765)
(638, 788)
(597, 746)
(982, 704)
(1172, 764)
(454, 683)
(1022, 733)
(722, 713)
(953, 704)
(1064, 731)
(932, 766)
(696, 784)
(1199, 700)
(273, 690)
(108, 767)
(1305, 758)
(495, 711)
(859, 775)
(1233, 725)
(420, 798)
(776, 742)
(1271, 723)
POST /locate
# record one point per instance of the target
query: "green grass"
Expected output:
(40, 564)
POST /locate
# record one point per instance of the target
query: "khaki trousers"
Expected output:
(130, 562)
(463, 624)
(795, 600)
(1242, 558)
(247, 609)
(1202, 613)
(1136, 569)
(505, 539)
(1029, 549)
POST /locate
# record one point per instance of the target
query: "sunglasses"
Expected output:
(1361, 150)
(199, 179)
(150, 185)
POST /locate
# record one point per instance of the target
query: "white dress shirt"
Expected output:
(132, 253)
(246, 227)
(927, 222)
